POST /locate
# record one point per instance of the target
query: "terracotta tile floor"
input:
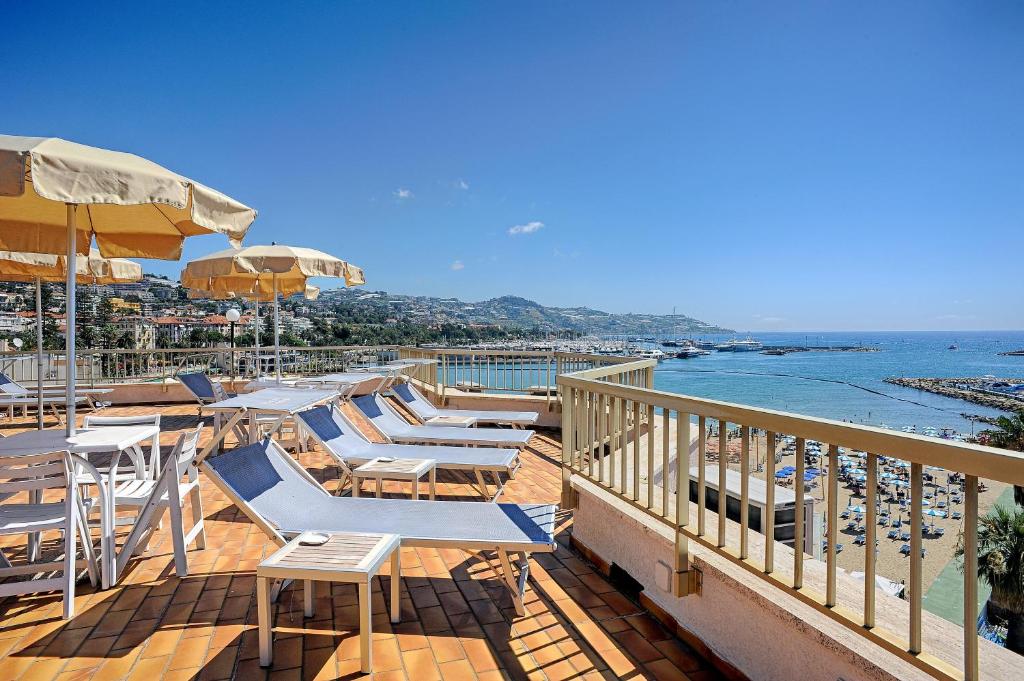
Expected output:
(457, 620)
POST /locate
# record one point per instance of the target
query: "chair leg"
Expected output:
(70, 559)
(197, 512)
(178, 534)
(87, 548)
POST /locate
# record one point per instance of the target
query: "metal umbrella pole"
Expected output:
(39, 353)
(277, 334)
(70, 366)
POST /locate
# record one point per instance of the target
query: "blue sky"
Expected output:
(762, 166)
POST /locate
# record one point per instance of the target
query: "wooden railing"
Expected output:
(618, 433)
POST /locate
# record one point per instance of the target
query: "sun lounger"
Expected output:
(391, 425)
(283, 499)
(203, 389)
(343, 441)
(8, 386)
(421, 407)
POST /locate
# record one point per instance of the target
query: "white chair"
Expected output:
(129, 472)
(167, 492)
(34, 474)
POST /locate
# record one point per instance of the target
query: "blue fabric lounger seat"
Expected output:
(425, 411)
(284, 499)
(343, 441)
(390, 424)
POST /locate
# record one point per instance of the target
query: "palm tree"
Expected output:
(1001, 565)
(1009, 435)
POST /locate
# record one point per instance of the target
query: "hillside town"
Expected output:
(157, 312)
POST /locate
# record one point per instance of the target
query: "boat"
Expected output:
(736, 345)
(650, 354)
(692, 351)
(953, 347)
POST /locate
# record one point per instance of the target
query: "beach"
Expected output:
(890, 563)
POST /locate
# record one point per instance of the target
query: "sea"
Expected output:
(849, 385)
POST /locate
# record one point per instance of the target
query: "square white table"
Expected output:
(87, 441)
(381, 469)
(281, 402)
(453, 421)
(346, 557)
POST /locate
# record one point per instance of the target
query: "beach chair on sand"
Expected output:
(349, 447)
(390, 424)
(426, 412)
(284, 500)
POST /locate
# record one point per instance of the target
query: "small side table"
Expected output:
(453, 421)
(348, 557)
(380, 469)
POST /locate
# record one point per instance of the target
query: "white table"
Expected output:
(349, 557)
(119, 439)
(381, 469)
(280, 402)
(452, 421)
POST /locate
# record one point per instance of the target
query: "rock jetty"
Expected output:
(967, 389)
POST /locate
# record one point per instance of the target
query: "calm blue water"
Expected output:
(805, 382)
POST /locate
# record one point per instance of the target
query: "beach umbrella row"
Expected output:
(57, 197)
(40, 267)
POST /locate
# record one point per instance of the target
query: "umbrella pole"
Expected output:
(277, 335)
(257, 328)
(69, 369)
(39, 353)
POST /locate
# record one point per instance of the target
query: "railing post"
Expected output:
(568, 439)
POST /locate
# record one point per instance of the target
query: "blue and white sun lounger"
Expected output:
(283, 499)
(349, 447)
(391, 425)
(421, 407)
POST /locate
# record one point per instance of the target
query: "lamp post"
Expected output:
(233, 316)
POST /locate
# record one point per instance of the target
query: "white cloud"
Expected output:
(461, 184)
(403, 193)
(528, 228)
(457, 265)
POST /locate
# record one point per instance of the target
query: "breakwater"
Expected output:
(974, 390)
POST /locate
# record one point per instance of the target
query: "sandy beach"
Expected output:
(890, 562)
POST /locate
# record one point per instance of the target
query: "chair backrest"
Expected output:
(333, 431)
(11, 387)
(200, 385)
(35, 472)
(93, 421)
(415, 401)
(185, 450)
(382, 416)
(267, 485)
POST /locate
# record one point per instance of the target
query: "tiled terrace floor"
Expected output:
(457, 620)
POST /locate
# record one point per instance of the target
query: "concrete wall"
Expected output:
(761, 632)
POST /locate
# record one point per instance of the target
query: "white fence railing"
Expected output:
(636, 443)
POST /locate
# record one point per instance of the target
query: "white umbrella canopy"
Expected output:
(57, 196)
(260, 270)
(40, 267)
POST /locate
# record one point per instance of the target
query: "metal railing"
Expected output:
(141, 366)
(622, 435)
(523, 372)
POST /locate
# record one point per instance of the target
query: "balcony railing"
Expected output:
(140, 366)
(618, 432)
(522, 372)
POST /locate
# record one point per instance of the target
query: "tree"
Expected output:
(1009, 434)
(1001, 565)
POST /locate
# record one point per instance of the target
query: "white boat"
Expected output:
(736, 345)
(650, 354)
(687, 353)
